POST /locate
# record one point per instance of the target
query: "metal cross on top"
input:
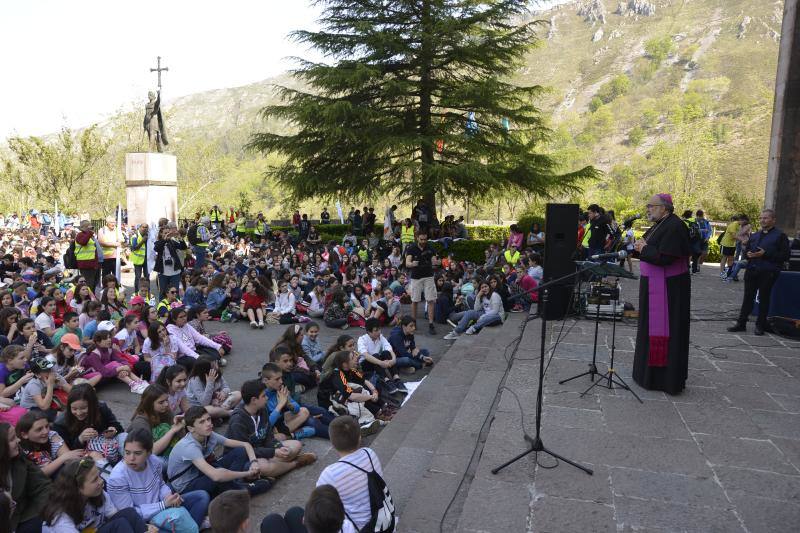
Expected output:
(159, 69)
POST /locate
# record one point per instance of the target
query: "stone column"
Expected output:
(151, 180)
(783, 177)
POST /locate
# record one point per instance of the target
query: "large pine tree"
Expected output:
(416, 99)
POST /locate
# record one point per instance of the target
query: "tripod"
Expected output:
(610, 378)
(592, 372)
(536, 443)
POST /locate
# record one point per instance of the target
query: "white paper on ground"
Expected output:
(411, 386)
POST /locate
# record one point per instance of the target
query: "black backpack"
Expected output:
(380, 502)
(192, 234)
(694, 231)
(70, 261)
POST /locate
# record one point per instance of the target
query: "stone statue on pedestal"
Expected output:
(154, 123)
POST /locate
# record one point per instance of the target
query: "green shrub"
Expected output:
(490, 233)
(472, 250)
(713, 252)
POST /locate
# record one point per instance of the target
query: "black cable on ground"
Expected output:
(489, 416)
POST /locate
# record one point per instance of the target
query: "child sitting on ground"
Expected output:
(47, 391)
(285, 413)
(377, 358)
(250, 423)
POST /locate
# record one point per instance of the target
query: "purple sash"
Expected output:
(658, 308)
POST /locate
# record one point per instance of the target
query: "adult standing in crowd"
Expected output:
(598, 230)
(139, 255)
(766, 251)
(86, 254)
(421, 259)
(110, 238)
(168, 261)
(661, 359)
(706, 233)
(727, 247)
(199, 237)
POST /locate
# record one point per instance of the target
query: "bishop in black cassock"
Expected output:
(661, 360)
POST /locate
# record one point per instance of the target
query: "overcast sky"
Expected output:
(76, 62)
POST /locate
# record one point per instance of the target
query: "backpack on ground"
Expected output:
(69, 259)
(380, 502)
(192, 235)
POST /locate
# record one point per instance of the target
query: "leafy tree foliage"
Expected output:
(51, 171)
(415, 101)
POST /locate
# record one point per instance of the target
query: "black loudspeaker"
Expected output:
(561, 241)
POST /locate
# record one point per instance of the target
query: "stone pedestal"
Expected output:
(783, 178)
(151, 180)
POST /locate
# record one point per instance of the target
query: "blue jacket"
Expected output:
(272, 404)
(215, 298)
(402, 344)
(775, 244)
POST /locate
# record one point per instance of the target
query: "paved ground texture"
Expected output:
(722, 456)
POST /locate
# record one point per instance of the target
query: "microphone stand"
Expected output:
(536, 443)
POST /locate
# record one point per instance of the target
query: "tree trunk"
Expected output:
(425, 106)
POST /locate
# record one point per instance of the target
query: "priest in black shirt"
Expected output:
(661, 360)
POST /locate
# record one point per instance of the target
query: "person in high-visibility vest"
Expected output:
(241, 225)
(511, 255)
(199, 237)
(585, 242)
(217, 217)
(110, 238)
(139, 255)
(406, 233)
(86, 254)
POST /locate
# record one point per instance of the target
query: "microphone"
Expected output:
(622, 254)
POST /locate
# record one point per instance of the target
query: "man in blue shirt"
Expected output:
(766, 252)
(706, 232)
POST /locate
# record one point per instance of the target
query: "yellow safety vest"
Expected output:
(241, 225)
(137, 256)
(587, 236)
(200, 242)
(407, 234)
(511, 258)
(216, 215)
(86, 253)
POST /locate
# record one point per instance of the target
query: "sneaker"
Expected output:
(261, 325)
(452, 323)
(206, 524)
(723, 275)
(470, 331)
(431, 328)
(222, 361)
(304, 432)
(138, 387)
(300, 389)
(305, 459)
(370, 428)
(259, 486)
(391, 388)
(344, 326)
(253, 324)
(451, 336)
(401, 387)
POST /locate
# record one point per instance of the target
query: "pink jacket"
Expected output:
(98, 358)
(186, 339)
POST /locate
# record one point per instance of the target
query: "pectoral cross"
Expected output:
(159, 69)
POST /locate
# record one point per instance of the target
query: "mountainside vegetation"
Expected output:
(669, 95)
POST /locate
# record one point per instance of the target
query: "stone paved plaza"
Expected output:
(722, 456)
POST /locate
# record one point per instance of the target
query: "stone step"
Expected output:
(428, 446)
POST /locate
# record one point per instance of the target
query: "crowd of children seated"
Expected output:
(65, 333)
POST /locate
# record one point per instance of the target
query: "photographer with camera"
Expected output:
(168, 260)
